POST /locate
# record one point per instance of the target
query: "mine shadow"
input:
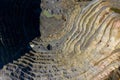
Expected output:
(19, 24)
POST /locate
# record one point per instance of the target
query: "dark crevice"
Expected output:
(116, 10)
(49, 47)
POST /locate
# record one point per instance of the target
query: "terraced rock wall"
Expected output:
(85, 47)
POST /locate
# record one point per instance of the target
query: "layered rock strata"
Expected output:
(87, 48)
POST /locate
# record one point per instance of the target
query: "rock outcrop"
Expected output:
(85, 46)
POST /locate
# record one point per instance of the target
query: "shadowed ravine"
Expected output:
(19, 24)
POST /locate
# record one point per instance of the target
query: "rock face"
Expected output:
(85, 46)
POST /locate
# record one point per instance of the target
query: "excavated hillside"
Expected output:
(80, 40)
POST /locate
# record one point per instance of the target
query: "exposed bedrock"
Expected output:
(82, 43)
